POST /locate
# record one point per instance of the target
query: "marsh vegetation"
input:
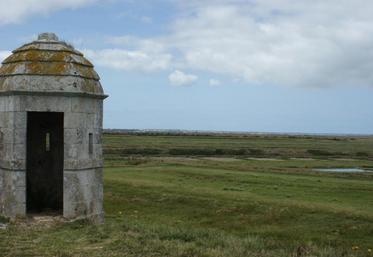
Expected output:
(220, 196)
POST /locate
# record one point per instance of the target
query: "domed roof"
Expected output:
(49, 65)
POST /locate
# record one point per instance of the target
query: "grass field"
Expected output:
(239, 145)
(220, 196)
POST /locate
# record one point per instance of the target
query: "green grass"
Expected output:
(227, 206)
(244, 145)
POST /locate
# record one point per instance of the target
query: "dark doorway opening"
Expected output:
(45, 155)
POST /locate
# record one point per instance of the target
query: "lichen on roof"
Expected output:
(50, 58)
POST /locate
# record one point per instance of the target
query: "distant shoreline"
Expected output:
(177, 132)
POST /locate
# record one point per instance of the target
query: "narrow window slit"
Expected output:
(47, 142)
(90, 143)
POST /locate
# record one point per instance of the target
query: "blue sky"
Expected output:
(237, 65)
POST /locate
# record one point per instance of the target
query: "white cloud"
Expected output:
(132, 53)
(283, 42)
(3, 55)
(179, 78)
(13, 11)
(130, 60)
(214, 82)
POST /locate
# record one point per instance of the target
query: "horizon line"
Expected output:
(201, 131)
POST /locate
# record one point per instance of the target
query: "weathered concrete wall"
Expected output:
(12, 159)
(48, 75)
(83, 189)
(83, 194)
(13, 200)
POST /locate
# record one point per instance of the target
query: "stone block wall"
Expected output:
(12, 159)
(83, 193)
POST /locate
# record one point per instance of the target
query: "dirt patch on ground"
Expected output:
(175, 158)
(302, 159)
(221, 159)
(39, 221)
(264, 159)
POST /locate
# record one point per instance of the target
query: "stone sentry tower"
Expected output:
(51, 104)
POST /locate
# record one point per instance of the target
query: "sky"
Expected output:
(223, 65)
